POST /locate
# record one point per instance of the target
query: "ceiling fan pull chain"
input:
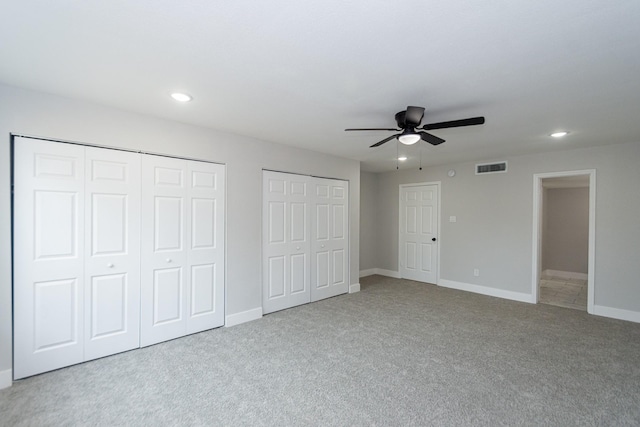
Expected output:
(420, 156)
(397, 154)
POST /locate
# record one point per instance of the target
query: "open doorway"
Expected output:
(564, 228)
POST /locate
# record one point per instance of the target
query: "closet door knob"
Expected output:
(109, 265)
(322, 246)
(168, 259)
(297, 248)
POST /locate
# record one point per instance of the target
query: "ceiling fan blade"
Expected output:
(431, 139)
(455, 123)
(377, 144)
(413, 116)
(371, 129)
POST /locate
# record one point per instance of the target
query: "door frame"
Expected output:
(537, 232)
(438, 185)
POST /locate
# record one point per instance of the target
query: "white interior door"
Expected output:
(330, 239)
(419, 232)
(112, 245)
(48, 256)
(286, 245)
(205, 256)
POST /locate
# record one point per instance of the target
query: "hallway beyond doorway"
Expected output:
(563, 292)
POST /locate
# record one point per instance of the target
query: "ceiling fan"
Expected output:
(409, 122)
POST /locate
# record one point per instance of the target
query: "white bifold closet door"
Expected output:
(76, 254)
(183, 248)
(330, 239)
(286, 241)
(112, 250)
(112, 247)
(305, 239)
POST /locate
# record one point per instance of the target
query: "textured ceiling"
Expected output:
(300, 72)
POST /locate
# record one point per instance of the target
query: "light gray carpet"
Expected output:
(396, 353)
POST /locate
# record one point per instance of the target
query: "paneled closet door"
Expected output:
(286, 245)
(205, 257)
(48, 256)
(112, 245)
(183, 211)
(165, 271)
(330, 239)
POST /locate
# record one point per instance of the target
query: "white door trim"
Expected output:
(438, 225)
(537, 231)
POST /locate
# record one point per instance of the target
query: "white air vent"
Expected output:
(497, 167)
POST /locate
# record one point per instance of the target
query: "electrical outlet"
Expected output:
(476, 272)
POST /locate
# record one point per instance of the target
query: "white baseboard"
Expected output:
(381, 272)
(354, 287)
(616, 313)
(388, 273)
(243, 317)
(368, 272)
(485, 290)
(6, 378)
(565, 274)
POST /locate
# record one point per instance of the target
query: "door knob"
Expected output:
(109, 265)
(168, 259)
(297, 248)
(433, 240)
(322, 246)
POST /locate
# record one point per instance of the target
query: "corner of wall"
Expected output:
(368, 272)
(381, 272)
(243, 317)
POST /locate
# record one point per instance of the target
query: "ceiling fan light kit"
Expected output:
(409, 138)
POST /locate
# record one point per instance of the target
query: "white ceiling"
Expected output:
(300, 72)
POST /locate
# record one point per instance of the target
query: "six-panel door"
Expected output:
(286, 246)
(164, 249)
(112, 247)
(330, 239)
(49, 252)
(418, 239)
(205, 246)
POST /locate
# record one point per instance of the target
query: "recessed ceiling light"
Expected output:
(181, 97)
(559, 134)
(402, 158)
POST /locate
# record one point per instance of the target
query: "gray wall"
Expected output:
(494, 224)
(38, 114)
(565, 236)
(368, 223)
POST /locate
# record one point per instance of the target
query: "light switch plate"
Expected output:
(452, 219)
